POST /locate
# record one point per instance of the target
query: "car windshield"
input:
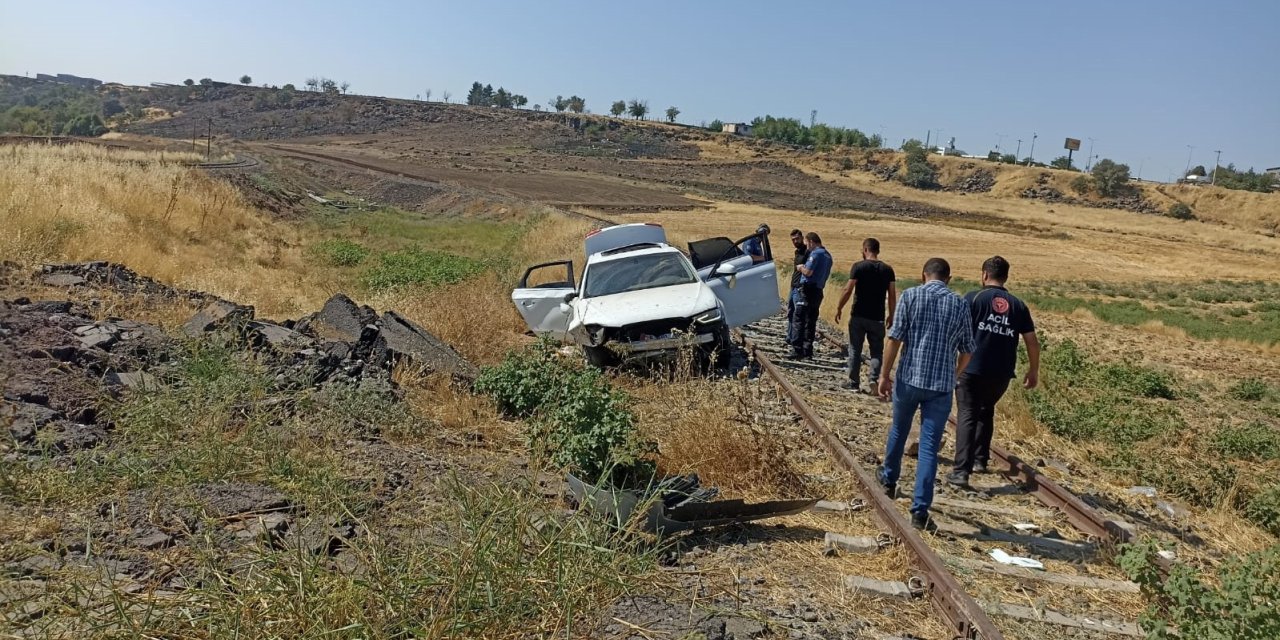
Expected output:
(635, 273)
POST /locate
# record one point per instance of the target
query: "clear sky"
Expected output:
(1144, 79)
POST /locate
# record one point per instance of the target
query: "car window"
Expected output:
(637, 272)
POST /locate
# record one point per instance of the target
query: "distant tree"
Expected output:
(501, 98)
(446, 95)
(1062, 162)
(576, 104)
(1199, 171)
(84, 125)
(920, 175)
(189, 82)
(344, 86)
(475, 96)
(289, 87)
(1231, 178)
(245, 79)
(618, 108)
(519, 100)
(1109, 177)
(537, 107)
(672, 114)
(559, 103)
(427, 93)
(328, 86)
(638, 108)
(312, 84)
(206, 82)
(111, 107)
(915, 151)
(1009, 158)
(716, 125)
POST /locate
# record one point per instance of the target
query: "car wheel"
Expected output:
(600, 357)
(723, 349)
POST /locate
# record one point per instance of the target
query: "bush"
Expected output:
(1253, 440)
(920, 175)
(1110, 176)
(1009, 158)
(1238, 603)
(577, 419)
(1082, 184)
(338, 252)
(1181, 211)
(1250, 390)
(1264, 510)
(1140, 381)
(414, 266)
(716, 126)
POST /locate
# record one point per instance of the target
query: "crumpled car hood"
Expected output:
(676, 301)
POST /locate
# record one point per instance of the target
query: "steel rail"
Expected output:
(1048, 492)
(964, 616)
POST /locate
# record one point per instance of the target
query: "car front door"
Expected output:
(541, 298)
(749, 293)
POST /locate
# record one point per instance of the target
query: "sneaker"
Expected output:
(794, 354)
(851, 386)
(890, 490)
(958, 479)
(922, 522)
(980, 467)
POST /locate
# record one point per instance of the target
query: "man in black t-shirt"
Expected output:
(999, 319)
(871, 283)
(802, 255)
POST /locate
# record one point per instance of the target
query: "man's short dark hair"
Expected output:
(938, 268)
(996, 268)
(813, 237)
(872, 245)
(797, 232)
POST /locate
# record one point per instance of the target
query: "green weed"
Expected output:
(1251, 390)
(414, 266)
(1251, 441)
(339, 252)
(1263, 509)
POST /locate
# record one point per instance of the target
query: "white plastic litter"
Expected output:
(1167, 555)
(1000, 556)
(1025, 527)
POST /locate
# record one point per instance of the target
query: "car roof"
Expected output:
(632, 251)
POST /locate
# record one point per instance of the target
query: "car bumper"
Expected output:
(641, 347)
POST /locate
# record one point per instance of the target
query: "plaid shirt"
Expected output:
(933, 324)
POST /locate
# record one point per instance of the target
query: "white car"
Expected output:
(641, 298)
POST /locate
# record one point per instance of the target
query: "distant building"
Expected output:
(1275, 171)
(66, 78)
(736, 128)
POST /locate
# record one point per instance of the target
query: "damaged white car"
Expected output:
(641, 298)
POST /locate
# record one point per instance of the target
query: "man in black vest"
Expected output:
(999, 319)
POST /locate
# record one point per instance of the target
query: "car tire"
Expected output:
(600, 357)
(723, 349)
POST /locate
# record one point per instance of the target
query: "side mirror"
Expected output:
(724, 270)
(568, 297)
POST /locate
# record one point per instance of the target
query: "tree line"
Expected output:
(792, 131)
(484, 95)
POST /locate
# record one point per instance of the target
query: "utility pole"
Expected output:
(1217, 160)
(195, 130)
(1089, 161)
(1140, 165)
(926, 141)
(813, 118)
(1190, 150)
(1018, 152)
(208, 146)
(1032, 156)
(999, 139)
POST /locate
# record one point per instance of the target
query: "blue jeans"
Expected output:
(794, 306)
(934, 407)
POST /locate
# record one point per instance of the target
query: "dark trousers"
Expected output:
(976, 398)
(808, 311)
(872, 332)
(793, 319)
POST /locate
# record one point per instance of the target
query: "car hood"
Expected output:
(676, 301)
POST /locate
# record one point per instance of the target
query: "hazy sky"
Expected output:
(1145, 79)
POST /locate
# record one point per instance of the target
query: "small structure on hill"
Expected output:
(736, 128)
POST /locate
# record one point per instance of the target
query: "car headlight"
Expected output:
(595, 333)
(714, 315)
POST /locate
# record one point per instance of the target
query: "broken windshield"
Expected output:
(637, 272)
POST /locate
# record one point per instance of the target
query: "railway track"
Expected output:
(1018, 511)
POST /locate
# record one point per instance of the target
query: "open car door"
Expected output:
(748, 291)
(540, 298)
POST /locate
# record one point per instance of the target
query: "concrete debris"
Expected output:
(855, 544)
(217, 314)
(839, 507)
(1146, 492)
(139, 380)
(117, 277)
(878, 588)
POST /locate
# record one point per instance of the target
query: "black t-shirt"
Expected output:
(998, 320)
(802, 256)
(870, 289)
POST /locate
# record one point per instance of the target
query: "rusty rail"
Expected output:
(1048, 492)
(965, 618)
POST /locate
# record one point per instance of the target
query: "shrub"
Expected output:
(1250, 390)
(1140, 381)
(1082, 184)
(716, 125)
(339, 252)
(1181, 211)
(576, 417)
(1110, 176)
(1264, 510)
(1237, 603)
(846, 163)
(920, 175)
(1009, 158)
(414, 266)
(1253, 440)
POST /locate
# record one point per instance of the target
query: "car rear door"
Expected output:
(540, 298)
(749, 294)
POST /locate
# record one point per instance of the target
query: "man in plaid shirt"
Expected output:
(930, 327)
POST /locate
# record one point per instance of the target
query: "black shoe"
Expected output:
(851, 385)
(890, 490)
(794, 354)
(980, 467)
(922, 522)
(958, 479)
